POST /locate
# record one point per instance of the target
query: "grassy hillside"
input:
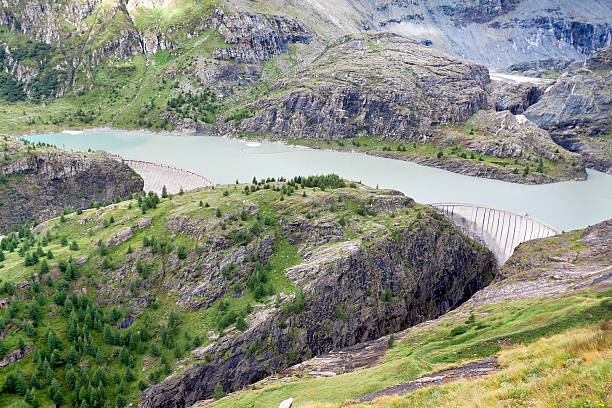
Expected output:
(547, 349)
(101, 303)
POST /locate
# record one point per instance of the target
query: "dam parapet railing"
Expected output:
(499, 230)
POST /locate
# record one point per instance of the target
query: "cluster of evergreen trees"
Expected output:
(43, 85)
(201, 107)
(148, 202)
(75, 339)
(323, 181)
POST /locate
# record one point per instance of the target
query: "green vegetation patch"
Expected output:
(490, 330)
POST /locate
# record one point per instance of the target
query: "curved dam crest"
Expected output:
(156, 176)
(499, 230)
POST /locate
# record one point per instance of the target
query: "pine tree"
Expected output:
(55, 393)
(3, 349)
(30, 397)
(35, 382)
(56, 359)
(164, 192)
(540, 166)
(44, 267)
(218, 392)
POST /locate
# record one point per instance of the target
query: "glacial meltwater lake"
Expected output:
(566, 206)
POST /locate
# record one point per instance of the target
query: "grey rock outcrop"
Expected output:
(515, 98)
(37, 184)
(16, 355)
(577, 110)
(541, 67)
(353, 291)
(381, 84)
(257, 37)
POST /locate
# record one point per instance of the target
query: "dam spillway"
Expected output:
(499, 230)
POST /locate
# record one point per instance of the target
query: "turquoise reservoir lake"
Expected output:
(566, 206)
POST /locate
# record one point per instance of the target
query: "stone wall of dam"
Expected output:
(156, 176)
(499, 230)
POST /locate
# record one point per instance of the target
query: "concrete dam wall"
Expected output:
(156, 176)
(499, 230)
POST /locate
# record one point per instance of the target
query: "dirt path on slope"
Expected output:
(469, 371)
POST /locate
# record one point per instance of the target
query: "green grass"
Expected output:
(163, 280)
(570, 369)
(496, 328)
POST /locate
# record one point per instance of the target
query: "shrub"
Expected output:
(458, 330)
(181, 252)
(385, 296)
(218, 392)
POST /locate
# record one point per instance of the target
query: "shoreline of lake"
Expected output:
(566, 205)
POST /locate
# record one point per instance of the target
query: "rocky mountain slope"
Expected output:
(576, 109)
(213, 290)
(519, 321)
(497, 33)
(308, 72)
(38, 182)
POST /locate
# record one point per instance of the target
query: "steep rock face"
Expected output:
(37, 184)
(542, 67)
(576, 109)
(353, 290)
(515, 98)
(381, 84)
(257, 37)
(494, 32)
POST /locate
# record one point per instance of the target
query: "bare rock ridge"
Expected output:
(39, 182)
(350, 291)
(495, 32)
(380, 84)
(577, 110)
(257, 37)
